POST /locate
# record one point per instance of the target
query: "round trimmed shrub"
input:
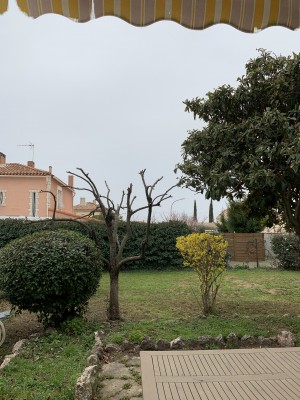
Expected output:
(51, 273)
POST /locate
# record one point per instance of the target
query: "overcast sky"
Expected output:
(107, 96)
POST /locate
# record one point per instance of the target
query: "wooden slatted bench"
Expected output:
(243, 374)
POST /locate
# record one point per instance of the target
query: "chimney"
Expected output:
(50, 169)
(2, 158)
(71, 181)
(82, 201)
(30, 164)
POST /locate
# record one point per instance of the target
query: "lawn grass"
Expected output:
(47, 367)
(167, 305)
(160, 305)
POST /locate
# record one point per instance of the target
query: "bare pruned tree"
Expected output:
(111, 213)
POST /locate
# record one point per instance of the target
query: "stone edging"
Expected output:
(86, 384)
(283, 339)
(15, 351)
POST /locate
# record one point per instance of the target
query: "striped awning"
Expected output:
(245, 15)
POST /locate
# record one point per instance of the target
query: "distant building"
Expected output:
(22, 196)
(85, 208)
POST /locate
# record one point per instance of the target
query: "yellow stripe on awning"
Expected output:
(3, 6)
(176, 10)
(73, 9)
(258, 13)
(210, 12)
(274, 12)
(159, 10)
(24, 6)
(57, 7)
(226, 11)
(125, 10)
(246, 15)
(109, 7)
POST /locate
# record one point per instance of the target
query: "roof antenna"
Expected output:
(31, 145)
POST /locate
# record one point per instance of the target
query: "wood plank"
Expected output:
(228, 389)
(161, 391)
(239, 392)
(174, 392)
(287, 359)
(167, 366)
(172, 365)
(156, 368)
(280, 389)
(148, 377)
(197, 391)
(257, 391)
(184, 366)
(200, 364)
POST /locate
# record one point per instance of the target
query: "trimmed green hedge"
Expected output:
(161, 252)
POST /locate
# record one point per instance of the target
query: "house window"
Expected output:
(2, 197)
(33, 203)
(59, 204)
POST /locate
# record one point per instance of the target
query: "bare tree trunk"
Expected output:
(113, 312)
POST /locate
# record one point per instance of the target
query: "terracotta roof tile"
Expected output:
(87, 206)
(20, 169)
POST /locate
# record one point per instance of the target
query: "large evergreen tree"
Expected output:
(250, 145)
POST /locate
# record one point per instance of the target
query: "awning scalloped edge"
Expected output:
(245, 15)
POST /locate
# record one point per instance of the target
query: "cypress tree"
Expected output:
(211, 212)
(195, 212)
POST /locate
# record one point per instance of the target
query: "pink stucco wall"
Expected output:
(67, 196)
(17, 195)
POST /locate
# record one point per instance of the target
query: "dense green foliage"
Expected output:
(51, 273)
(250, 145)
(11, 228)
(238, 219)
(161, 251)
(287, 250)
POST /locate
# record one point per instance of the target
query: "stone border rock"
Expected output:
(86, 384)
(15, 351)
(283, 339)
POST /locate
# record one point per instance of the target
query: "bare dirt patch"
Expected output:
(249, 285)
(18, 327)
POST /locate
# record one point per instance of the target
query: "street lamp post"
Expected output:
(171, 209)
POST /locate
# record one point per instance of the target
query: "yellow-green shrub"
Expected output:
(206, 254)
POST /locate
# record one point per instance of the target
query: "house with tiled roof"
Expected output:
(87, 208)
(27, 192)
